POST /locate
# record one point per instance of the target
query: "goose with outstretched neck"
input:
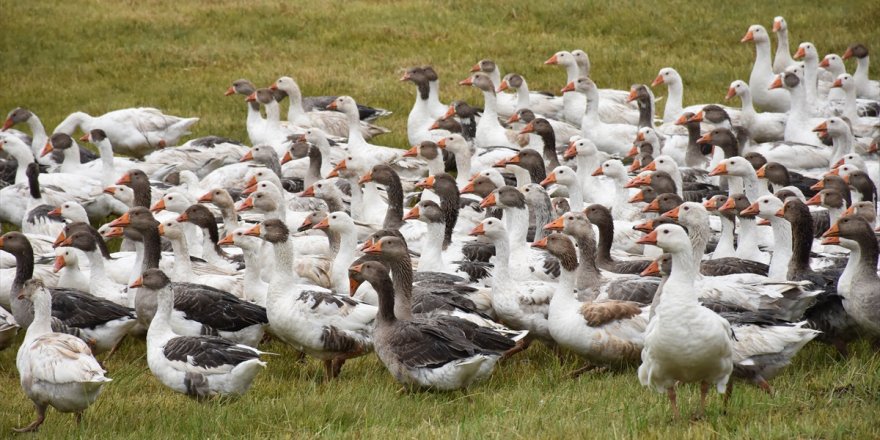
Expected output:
(866, 88)
(527, 166)
(204, 310)
(99, 322)
(447, 190)
(602, 218)
(421, 117)
(827, 314)
(762, 127)
(138, 181)
(489, 132)
(832, 200)
(779, 177)
(385, 175)
(296, 310)
(694, 155)
(606, 332)
(859, 284)
(762, 73)
(421, 353)
(202, 217)
(544, 130)
(611, 138)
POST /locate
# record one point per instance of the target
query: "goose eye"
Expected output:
(333, 217)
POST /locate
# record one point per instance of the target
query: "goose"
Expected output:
(100, 285)
(815, 96)
(522, 305)
(198, 366)
(797, 124)
(861, 126)
(357, 143)
(467, 118)
(602, 218)
(100, 322)
(507, 103)
(301, 149)
(67, 266)
(385, 175)
(332, 123)
(616, 172)
(561, 130)
(764, 126)
(421, 118)
(221, 199)
(725, 247)
(183, 267)
(675, 86)
(588, 159)
(132, 131)
(832, 200)
(611, 138)
(565, 176)
(747, 244)
(458, 146)
(430, 153)
(859, 282)
(39, 137)
(329, 327)
(526, 165)
(37, 220)
(613, 107)
(445, 188)
(489, 132)
(198, 309)
(684, 342)
(255, 124)
(343, 226)
(542, 128)
(367, 205)
(542, 103)
(200, 216)
(780, 177)
(431, 258)
(866, 88)
(605, 332)
(783, 58)
(56, 369)
(421, 353)
(272, 132)
(437, 108)
(254, 287)
(769, 100)
(540, 207)
(863, 188)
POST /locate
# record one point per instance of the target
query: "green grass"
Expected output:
(96, 56)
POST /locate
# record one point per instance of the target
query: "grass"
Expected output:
(96, 56)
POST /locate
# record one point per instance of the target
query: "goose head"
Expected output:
(16, 116)
(807, 51)
(16, 148)
(756, 33)
(662, 163)
(738, 88)
(511, 81)
(734, 166)
(757, 160)
(240, 238)
(173, 201)
(338, 221)
(262, 175)
(582, 60)
(172, 229)
(864, 210)
(455, 143)
(34, 290)
(612, 168)
(262, 153)
(573, 223)
(427, 150)
(641, 93)
(669, 237)
(153, 279)
(833, 63)
(581, 85)
(81, 239)
(481, 185)
(779, 24)
(599, 214)
(492, 228)
(853, 159)
(765, 207)
(388, 248)
(58, 141)
(539, 126)
(719, 137)
(123, 193)
(65, 257)
(829, 198)
(561, 247)
(322, 189)
(792, 78)
(485, 66)
(857, 50)
(220, 197)
(844, 81)
(563, 58)
(775, 172)
(668, 76)
(344, 104)
(372, 272)
(581, 147)
(849, 231)
(427, 211)
(272, 230)
(690, 214)
(241, 87)
(481, 81)
(505, 197)
(263, 96)
(562, 175)
(138, 218)
(198, 215)
(288, 86)
(381, 174)
(737, 204)
(72, 211)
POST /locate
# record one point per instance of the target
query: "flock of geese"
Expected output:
(521, 220)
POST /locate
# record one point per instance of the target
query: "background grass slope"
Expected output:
(96, 56)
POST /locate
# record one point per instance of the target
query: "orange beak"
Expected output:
(777, 25)
(634, 151)
(335, 171)
(47, 149)
(466, 82)
(672, 213)
(763, 222)
(781, 212)
(161, 229)
(435, 125)
(550, 179)
(246, 205)
(500, 164)
(367, 178)
(158, 206)
(651, 166)
(109, 190)
(406, 76)
(657, 81)
(762, 172)
(552, 60)
(800, 53)
(412, 214)
(125, 179)
(568, 87)
(818, 186)
(542, 243)
(427, 183)
(412, 152)
(748, 37)
(635, 182)
(307, 224)
(555, 225)
(59, 263)
(598, 172)
(469, 188)
(59, 239)
(640, 136)
(816, 200)
(848, 54)
(728, 205)
(833, 231)
(85, 138)
(698, 117)
(479, 230)
(751, 210)
(323, 224)
(849, 211)
(251, 182)
(645, 227)
(376, 248)
(825, 63)
(652, 270)
(113, 233)
(252, 97)
(731, 92)
(831, 240)
(352, 283)
(56, 211)
(710, 204)
(287, 158)
(247, 156)
(633, 94)
(488, 201)
(503, 86)
(226, 241)
(309, 192)
(651, 238)
(635, 166)
(823, 127)
(837, 83)
(681, 120)
(839, 163)
(442, 143)
(230, 91)
(835, 171)
(254, 231)
(122, 221)
(529, 128)
(570, 152)
(475, 67)
(182, 218)
(777, 82)
(332, 106)
(139, 282)
(639, 197)
(720, 170)
(513, 160)
(450, 112)
(654, 206)
(249, 190)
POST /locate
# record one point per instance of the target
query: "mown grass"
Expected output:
(97, 56)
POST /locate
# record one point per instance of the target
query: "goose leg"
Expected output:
(41, 416)
(763, 384)
(337, 366)
(587, 367)
(727, 393)
(115, 347)
(670, 392)
(521, 345)
(328, 370)
(704, 390)
(78, 417)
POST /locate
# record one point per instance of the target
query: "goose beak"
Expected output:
(640, 136)
(161, 229)
(816, 200)
(645, 227)
(475, 68)
(570, 152)
(651, 238)
(550, 179)
(367, 178)
(698, 117)
(502, 87)
(529, 128)
(635, 182)
(309, 192)
(777, 83)
(638, 197)
(366, 245)
(542, 243)
(469, 188)
(406, 76)
(59, 239)
(835, 171)
(413, 214)
(751, 210)
(800, 53)
(682, 120)
(47, 149)
(839, 163)
(488, 201)
(634, 151)
(435, 125)
(720, 170)
(500, 164)
(825, 63)
(158, 206)
(818, 186)
(85, 138)
(306, 225)
(247, 156)
(182, 218)
(556, 225)
(254, 231)
(568, 87)
(323, 224)
(848, 54)
(654, 206)
(109, 190)
(652, 270)
(139, 282)
(375, 248)
(287, 157)
(830, 240)
(598, 172)
(710, 204)
(412, 152)
(833, 231)
(651, 166)
(59, 263)
(427, 183)
(513, 118)
(821, 128)
(249, 190)
(849, 211)
(479, 230)
(332, 106)
(466, 82)
(633, 95)
(124, 180)
(230, 91)
(763, 222)
(749, 36)
(552, 60)
(113, 233)
(246, 205)
(274, 86)
(442, 143)
(672, 213)
(731, 92)
(657, 81)
(122, 221)
(781, 212)
(777, 25)
(353, 284)
(56, 211)
(226, 241)
(728, 205)
(335, 171)
(252, 97)
(837, 83)
(450, 112)
(762, 172)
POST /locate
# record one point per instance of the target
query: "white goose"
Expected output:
(56, 369)
(764, 126)
(762, 75)
(866, 87)
(67, 267)
(490, 133)
(610, 138)
(547, 105)
(783, 57)
(675, 86)
(254, 287)
(613, 107)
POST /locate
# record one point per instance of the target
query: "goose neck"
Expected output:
(673, 106)
(588, 275)
(394, 213)
(802, 242)
(684, 272)
(402, 279)
(38, 131)
(42, 323)
(431, 259)
(781, 257)
(386, 294)
(517, 222)
(182, 263)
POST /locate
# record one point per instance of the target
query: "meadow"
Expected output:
(96, 56)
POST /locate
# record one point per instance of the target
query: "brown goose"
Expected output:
(602, 218)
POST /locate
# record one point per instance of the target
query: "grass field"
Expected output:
(96, 56)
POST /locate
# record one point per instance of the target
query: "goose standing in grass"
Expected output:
(762, 74)
(199, 366)
(56, 369)
(684, 342)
